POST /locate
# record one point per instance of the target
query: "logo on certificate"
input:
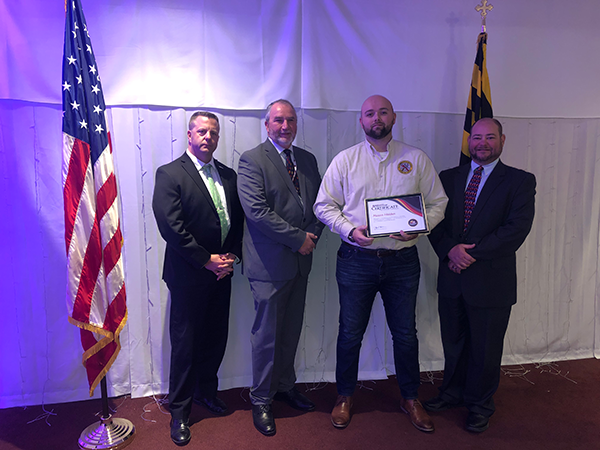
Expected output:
(413, 222)
(405, 167)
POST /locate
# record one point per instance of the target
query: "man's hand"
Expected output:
(360, 236)
(453, 267)
(309, 244)
(231, 256)
(221, 265)
(402, 236)
(459, 258)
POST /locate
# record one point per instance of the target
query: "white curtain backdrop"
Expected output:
(161, 60)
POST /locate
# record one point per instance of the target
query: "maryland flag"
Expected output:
(480, 96)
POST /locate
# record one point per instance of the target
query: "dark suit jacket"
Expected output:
(188, 221)
(500, 222)
(276, 218)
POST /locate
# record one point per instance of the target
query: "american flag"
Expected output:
(95, 277)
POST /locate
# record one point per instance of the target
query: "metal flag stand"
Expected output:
(109, 433)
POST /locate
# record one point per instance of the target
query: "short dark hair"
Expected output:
(281, 100)
(203, 114)
(499, 125)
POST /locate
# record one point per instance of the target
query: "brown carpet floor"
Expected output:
(542, 407)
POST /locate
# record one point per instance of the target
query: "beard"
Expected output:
(378, 134)
(491, 155)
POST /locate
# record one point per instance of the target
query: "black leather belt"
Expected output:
(379, 252)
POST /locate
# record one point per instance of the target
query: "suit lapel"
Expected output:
(188, 166)
(493, 181)
(227, 185)
(275, 158)
(302, 170)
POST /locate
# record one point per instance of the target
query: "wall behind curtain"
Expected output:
(162, 60)
(241, 54)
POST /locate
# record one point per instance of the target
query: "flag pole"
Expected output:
(103, 389)
(484, 8)
(479, 104)
(96, 296)
(108, 433)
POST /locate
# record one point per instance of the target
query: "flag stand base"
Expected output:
(107, 434)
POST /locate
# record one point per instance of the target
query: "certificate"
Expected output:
(390, 215)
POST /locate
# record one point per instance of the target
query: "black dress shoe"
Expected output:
(180, 431)
(295, 399)
(215, 405)
(262, 415)
(437, 404)
(477, 423)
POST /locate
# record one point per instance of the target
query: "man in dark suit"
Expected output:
(488, 217)
(199, 215)
(277, 186)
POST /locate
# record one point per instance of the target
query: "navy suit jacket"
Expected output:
(500, 222)
(188, 221)
(276, 218)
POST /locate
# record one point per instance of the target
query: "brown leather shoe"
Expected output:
(418, 416)
(340, 416)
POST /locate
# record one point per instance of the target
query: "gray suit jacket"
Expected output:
(276, 218)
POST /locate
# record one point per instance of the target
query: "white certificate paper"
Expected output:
(390, 215)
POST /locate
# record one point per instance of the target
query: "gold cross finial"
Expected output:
(483, 8)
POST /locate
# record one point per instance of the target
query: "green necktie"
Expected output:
(212, 188)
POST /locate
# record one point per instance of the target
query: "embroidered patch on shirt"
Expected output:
(405, 167)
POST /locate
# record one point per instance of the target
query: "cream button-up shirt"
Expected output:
(361, 172)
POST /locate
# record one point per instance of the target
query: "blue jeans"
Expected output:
(360, 275)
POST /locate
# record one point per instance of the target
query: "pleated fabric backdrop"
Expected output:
(233, 58)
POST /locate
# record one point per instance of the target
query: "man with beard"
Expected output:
(488, 217)
(377, 167)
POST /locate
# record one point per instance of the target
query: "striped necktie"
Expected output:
(214, 193)
(471, 195)
(291, 169)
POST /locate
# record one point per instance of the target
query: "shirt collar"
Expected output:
(379, 155)
(487, 168)
(279, 148)
(199, 164)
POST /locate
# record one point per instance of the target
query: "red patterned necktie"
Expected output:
(471, 194)
(289, 165)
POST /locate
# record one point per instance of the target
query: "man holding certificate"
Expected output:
(378, 196)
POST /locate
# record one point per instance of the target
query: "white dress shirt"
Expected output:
(485, 174)
(216, 178)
